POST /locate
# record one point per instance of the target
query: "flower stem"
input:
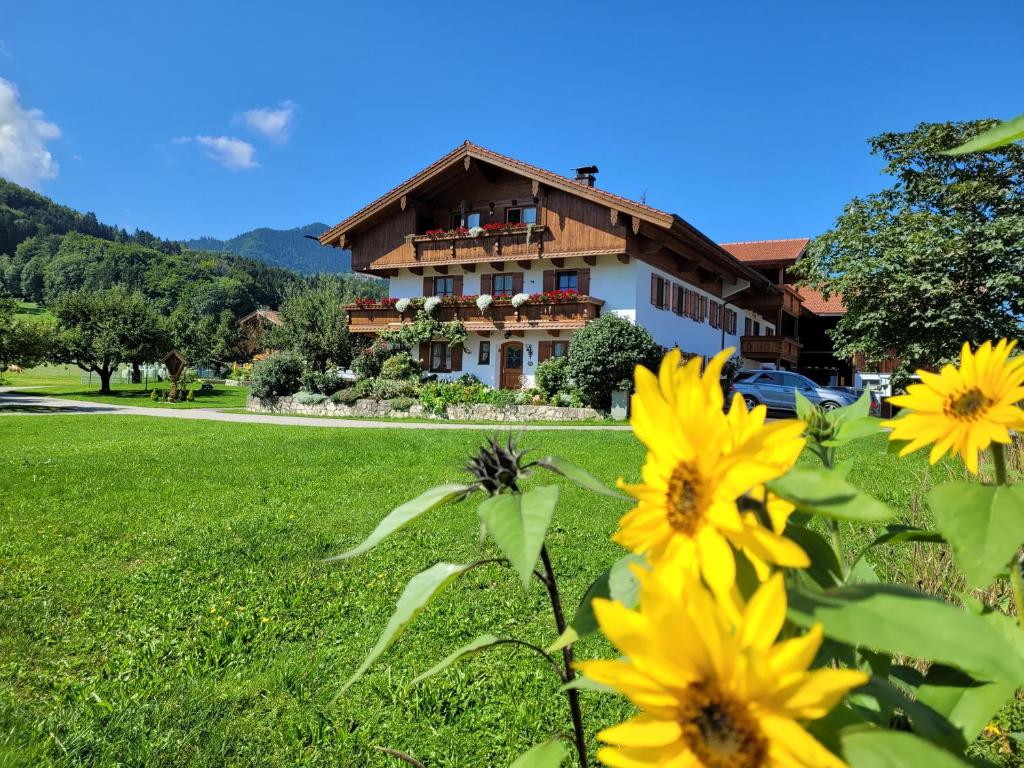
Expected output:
(1017, 582)
(827, 460)
(999, 461)
(579, 736)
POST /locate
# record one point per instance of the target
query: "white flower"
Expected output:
(484, 301)
(475, 231)
(402, 304)
(432, 303)
(519, 299)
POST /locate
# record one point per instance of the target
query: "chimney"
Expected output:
(586, 175)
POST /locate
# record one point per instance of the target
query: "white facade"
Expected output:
(625, 290)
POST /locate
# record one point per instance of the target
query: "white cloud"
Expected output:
(227, 150)
(274, 124)
(24, 158)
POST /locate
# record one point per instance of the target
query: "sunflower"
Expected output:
(963, 409)
(713, 692)
(700, 462)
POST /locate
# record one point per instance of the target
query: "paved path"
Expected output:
(24, 403)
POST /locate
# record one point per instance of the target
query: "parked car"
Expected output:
(777, 390)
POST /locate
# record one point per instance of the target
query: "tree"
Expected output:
(100, 330)
(203, 339)
(314, 327)
(933, 260)
(603, 355)
(22, 342)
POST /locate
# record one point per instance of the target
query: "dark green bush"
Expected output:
(346, 396)
(326, 383)
(400, 366)
(370, 359)
(553, 376)
(277, 376)
(603, 355)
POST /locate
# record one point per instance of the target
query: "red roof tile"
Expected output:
(815, 302)
(768, 251)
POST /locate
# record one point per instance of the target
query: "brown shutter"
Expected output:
(549, 280)
(486, 283)
(457, 287)
(428, 286)
(425, 355)
(543, 351)
(457, 357)
(517, 282)
(583, 282)
(654, 290)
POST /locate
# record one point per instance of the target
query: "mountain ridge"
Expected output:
(288, 248)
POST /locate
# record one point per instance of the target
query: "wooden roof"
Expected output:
(784, 252)
(467, 151)
(262, 314)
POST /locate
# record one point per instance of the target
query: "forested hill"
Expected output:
(288, 248)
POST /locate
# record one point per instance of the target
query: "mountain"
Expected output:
(282, 248)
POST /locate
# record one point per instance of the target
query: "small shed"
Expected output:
(254, 327)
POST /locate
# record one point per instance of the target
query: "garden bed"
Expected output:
(375, 408)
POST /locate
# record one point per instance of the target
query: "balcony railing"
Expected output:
(788, 300)
(501, 315)
(494, 245)
(770, 348)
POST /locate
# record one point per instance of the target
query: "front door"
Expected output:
(511, 364)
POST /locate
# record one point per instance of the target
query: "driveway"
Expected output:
(22, 403)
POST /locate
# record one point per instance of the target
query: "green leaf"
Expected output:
(854, 411)
(926, 722)
(581, 683)
(421, 589)
(580, 476)
(550, 754)
(855, 429)
(878, 748)
(816, 490)
(518, 524)
(966, 703)
(893, 447)
(402, 515)
(898, 534)
(824, 568)
(616, 583)
(804, 408)
(481, 643)
(1000, 135)
(983, 524)
(897, 620)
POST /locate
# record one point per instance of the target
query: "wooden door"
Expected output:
(511, 364)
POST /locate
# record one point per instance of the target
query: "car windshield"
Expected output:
(745, 375)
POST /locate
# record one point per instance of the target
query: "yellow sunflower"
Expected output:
(701, 461)
(713, 692)
(963, 409)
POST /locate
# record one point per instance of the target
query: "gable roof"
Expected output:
(768, 251)
(263, 314)
(468, 151)
(815, 301)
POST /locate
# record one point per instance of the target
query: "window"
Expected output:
(748, 326)
(715, 318)
(792, 380)
(526, 215)
(757, 328)
(444, 286)
(484, 357)
(659, 292)
(730, 321)
(745, 376)
(566, 281)
(440, 356)
(771, 377)
(560, 349)
(503, 284)
(470, 220)
(679, 303)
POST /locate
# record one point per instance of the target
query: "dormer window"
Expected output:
(524, 215)
(470, 220)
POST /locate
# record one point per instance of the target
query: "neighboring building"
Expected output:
(479, 222)
(254, 326)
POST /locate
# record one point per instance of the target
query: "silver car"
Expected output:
(777, 390)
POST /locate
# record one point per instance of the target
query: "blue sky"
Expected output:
(749, 119)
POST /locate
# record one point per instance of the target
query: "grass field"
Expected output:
(164, 600)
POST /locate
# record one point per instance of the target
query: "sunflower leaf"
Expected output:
(518, 524)
(983, 524)
(579, 476)
(549, 754)
(880, 748)
(818, 491)
(966, 703)
(481, 643)
(824, 568)
(999, 135)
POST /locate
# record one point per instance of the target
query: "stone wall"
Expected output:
(378, 408)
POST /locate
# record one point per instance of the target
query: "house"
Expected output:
(478, 222)
(818, 316)
(253, 328)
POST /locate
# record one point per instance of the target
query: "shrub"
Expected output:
(277, 376)
(191, 396)
(345, 396)
(603, 356)
(154, 394)
(436, 396)
(401, 403)
(385, 389)
(369, 361)
(400, 366)
(569, 399)
(467, 379)
(553, 376)
(326, 383)
(309, 398)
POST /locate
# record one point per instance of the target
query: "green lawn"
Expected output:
(29, 309)
(164, 601)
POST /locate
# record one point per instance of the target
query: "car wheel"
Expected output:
(750, 402)
(828, 405)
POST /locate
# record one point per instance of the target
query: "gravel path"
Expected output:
(24, 403)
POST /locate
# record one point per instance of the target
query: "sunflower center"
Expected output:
(721, 732)
(686, 499)
(968, 406)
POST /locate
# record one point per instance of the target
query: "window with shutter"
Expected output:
(484, 356)
(543, 351)
(583, 276)
(440, 356)
(559, 348)
(503, 285)
(457, 285)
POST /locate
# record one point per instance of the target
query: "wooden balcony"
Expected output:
(773, 349)
(500, 316)
(768, 305)
(495, 245)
